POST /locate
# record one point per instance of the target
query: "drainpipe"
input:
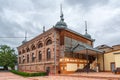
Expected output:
(103, 62)
(55, 52)
(87, 59)
(97, 68)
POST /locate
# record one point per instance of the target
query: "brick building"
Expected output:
(58, 50)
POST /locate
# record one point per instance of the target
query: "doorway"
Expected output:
(112, 66)
(47, 70)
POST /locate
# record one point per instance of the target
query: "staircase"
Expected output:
(87, 67)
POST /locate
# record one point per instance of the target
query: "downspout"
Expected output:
(55, 52)
(103, 62)
(87, 59)
(97, 67)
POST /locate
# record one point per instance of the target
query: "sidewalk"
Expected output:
(95, 75)
(80, 76)
(10, 76)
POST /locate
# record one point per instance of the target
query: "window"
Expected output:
(33, 47)
(40, 45)
(23, 51)
(20, 60)
(27, 49)
(19, 52)
(27, 58)
(33, 57)
(23, 59)
(49, 42)
(48, 54)
(40, 56)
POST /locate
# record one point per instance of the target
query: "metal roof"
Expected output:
(81, 48)
(79, 34)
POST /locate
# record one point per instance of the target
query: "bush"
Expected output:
(29, 74)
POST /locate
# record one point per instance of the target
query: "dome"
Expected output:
(24, 41)
(61, 24)
(87, 35)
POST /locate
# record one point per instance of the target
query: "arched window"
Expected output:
(40, 55)
(19, 52)
(23, 59)
(40, 45)
(49, 41)
(27, 49)
(48, 54)
(23, 51)
(33, 47)
(33, 57)
(20, 60)
(27, 58)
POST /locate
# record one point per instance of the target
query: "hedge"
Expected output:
(29, 74)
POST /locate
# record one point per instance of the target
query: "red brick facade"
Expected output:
(38, 54)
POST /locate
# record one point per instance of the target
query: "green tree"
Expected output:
(8, 58)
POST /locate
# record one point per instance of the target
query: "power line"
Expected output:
(15, 37)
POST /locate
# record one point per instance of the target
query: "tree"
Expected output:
(8, 58)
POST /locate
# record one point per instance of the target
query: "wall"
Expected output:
(37, 65)
(108, 58)
(67, 33)
(70, 65)
(117, 60)
(100, 61)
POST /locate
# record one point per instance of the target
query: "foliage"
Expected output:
(29, 74)
(8, 58)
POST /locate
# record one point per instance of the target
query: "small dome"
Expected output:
(61, 24)
(87, 35)
(24, 41)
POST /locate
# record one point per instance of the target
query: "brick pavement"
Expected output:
(11, 76)
(99, 75)
(63, 78)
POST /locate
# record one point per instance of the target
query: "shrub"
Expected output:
(29, 74)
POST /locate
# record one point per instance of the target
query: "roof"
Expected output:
(103, 46)
(61, 24)
(78, 34)
(82, 47)
(37, 37)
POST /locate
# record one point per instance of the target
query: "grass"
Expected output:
(29, 74)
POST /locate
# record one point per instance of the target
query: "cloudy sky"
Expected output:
(18, 16)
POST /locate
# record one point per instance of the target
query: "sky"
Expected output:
(20, 16)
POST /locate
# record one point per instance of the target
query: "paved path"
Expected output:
(63, 78)
(11, 76)
(99, 75)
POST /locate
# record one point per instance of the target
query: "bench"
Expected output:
(117, 70)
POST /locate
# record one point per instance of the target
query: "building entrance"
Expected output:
(112, 66)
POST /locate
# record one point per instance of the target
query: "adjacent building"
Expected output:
(111, 57)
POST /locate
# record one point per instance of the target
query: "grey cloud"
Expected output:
(110, 33)
(86, 4)
(32, 15)
(17, 5)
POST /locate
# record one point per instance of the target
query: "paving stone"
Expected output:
(80, 76)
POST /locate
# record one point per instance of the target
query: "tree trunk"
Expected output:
(5, 67)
